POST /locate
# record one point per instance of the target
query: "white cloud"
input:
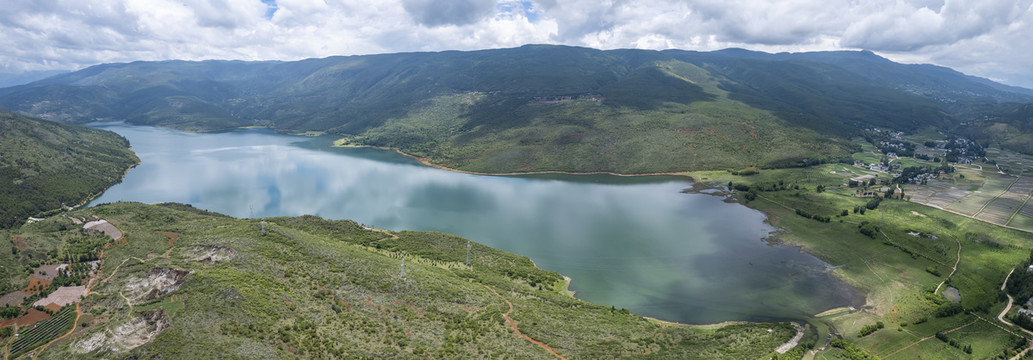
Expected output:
(984, 37)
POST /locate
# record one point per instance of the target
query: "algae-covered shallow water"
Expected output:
(631, 242)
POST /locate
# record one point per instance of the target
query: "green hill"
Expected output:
(210, 286)
(540, 107)
(44, 164)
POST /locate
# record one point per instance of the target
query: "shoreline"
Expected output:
(94, 196)
(426, 162)
(770, 239)
(120, 179)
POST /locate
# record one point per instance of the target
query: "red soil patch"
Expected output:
(172, 236)
(416, 309)
(369, 299)
(396, 302)
(32, 317)
(408, 332)
(346, 304)
(19, 243)
(33, 283)
(53, 307)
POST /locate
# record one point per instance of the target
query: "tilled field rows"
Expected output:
(1001, 209)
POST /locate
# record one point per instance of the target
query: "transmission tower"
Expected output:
(467, 252)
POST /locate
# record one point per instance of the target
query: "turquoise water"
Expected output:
(631, 242)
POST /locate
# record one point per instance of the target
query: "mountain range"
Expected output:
(545, 107)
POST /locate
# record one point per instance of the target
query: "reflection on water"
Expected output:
(631, 242)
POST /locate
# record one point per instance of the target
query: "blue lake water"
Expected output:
(631, 242)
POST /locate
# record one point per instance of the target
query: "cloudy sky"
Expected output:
(988, 38)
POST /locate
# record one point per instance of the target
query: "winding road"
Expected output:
(937, 291)
(1006, 322)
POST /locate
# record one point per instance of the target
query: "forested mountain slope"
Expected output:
(540, 107)
(44, 165)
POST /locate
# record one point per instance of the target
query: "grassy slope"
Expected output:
(317, 288)
(898, 286)
(44, 164)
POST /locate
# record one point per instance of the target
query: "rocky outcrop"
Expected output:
(157, 282)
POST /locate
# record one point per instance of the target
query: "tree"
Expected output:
(868, 229)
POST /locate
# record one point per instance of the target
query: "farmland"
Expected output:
(43, 332)
(911, 253)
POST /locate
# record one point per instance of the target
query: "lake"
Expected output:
(631, 242)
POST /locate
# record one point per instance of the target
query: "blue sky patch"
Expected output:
(270, 8)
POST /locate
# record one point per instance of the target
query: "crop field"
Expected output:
(936, 193)
(43, 332)
(1014, 162)
(1022, 221)
(993, 185)
(1000, 210)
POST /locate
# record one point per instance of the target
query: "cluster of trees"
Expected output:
(780, 185)
(1020, 283)
(10, 312)
(72, 277)
(868, 329)
(873, 203)
(933, 270)
(868, 229)
(949, 309)
(855, 183)
(818, 218)
(852, 351)
(1022, 320)
(750, 192)
(943, 337)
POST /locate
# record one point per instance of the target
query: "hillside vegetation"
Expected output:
(540, 107)
(186, 283)
(44, 165)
